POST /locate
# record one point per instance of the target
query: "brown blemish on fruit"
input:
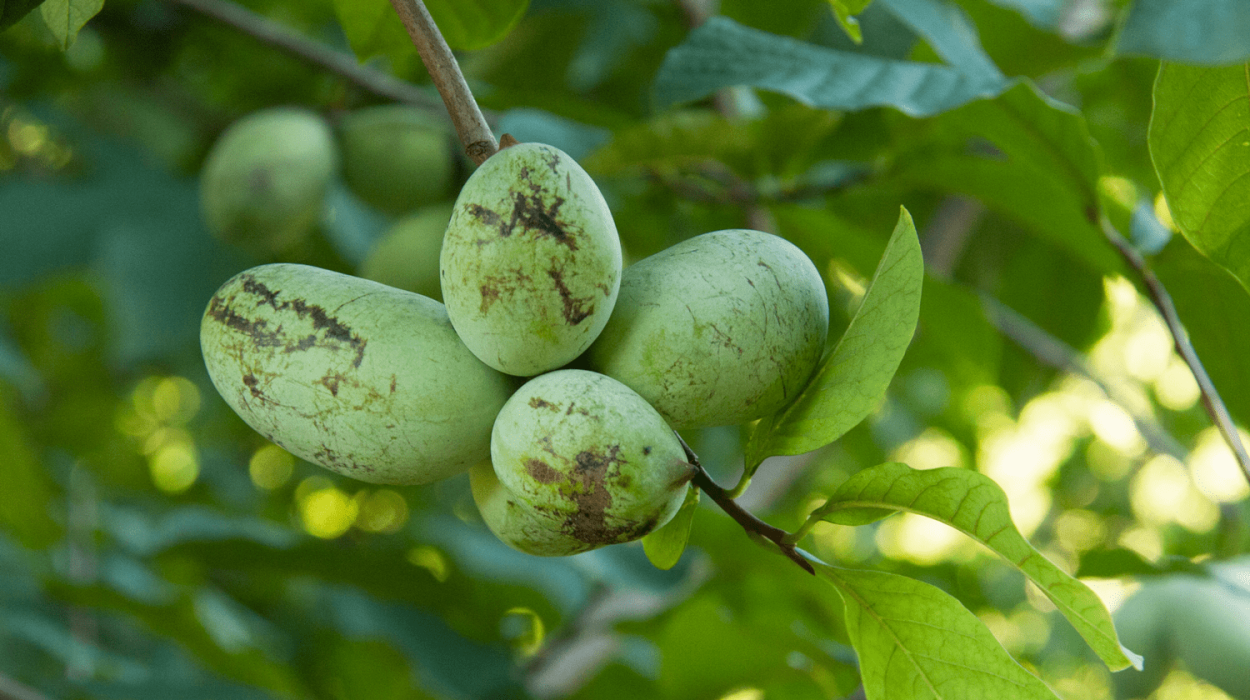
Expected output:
(537, 403)
(542, 472)
(393, 383)
(588, 523)
(575, 310)
(330, 327)
(331, 382)
(646, 450)
(250, 381)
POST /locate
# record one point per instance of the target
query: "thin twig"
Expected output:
(749, 522)
(13, 690)
(1163, 302)
(341, 64)
(1054, 352)
(475, 134)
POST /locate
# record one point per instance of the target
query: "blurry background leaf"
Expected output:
(1199, 141)
(1206, 32)
(475, 24)
(65, 17)
(665, 545)
(13, 10)
(722, 53)
(845, 11)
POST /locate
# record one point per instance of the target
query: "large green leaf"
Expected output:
(65, 17)
(851, 381)
(722, 53)
(950, 34)
(1043, 173)
(973, 504)
(13, 10)
(916, 641)
(373, 27)
(1200, 144)
(1208, 32)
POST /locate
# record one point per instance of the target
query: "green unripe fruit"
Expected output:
(363, 379)
(264, 182)
(531, 262)
(407, 256)
(1209, 621)
(518, 524)
(581, 461)
(396, 157)
(720, 329)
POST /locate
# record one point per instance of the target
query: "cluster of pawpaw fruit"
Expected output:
(391, 386)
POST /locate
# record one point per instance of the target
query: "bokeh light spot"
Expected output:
(270, 467)
(175, 466)
(327, 513)
(431, 560)
(382, 511)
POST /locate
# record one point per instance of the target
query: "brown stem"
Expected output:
(476, 136)
(13, 690)
(341, 64)
(1163, 302)
(749, 522)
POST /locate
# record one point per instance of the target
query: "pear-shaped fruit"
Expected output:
(264, 181)
(580, 461)
(531, 262)
(720, 329)
(364, 379)
(396, 157)
(407, 256)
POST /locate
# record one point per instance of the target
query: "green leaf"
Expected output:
(65, 17)
(950, 34)
(27, 495)
(850, 382)
(1044, 173)
(845, 11)
(475, 24)
(12, 11)
(1208, 32)
(916, 641)
(721, 53)
(1200, 144)
(973, 504)
(665, 545)
(373, 27)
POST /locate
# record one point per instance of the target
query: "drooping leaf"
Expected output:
(850, 381)
(1120, 562)
(1043, 172)
(1200, 144)
(665, 545)
(722, 53)
(11, 11)
(65, 17)
(950, 34)
(373, 27)
(845, 11)
(475, 24)
(973, 504)
(1206, 32)
(916, 641)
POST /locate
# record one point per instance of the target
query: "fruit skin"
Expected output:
(720, 329)
(363, 379)
(264, 181)
(396, 157)
(581, 461)
(406, 257)
(531, 262)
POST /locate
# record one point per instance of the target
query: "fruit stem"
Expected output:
(749, 522)
(476, 136)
